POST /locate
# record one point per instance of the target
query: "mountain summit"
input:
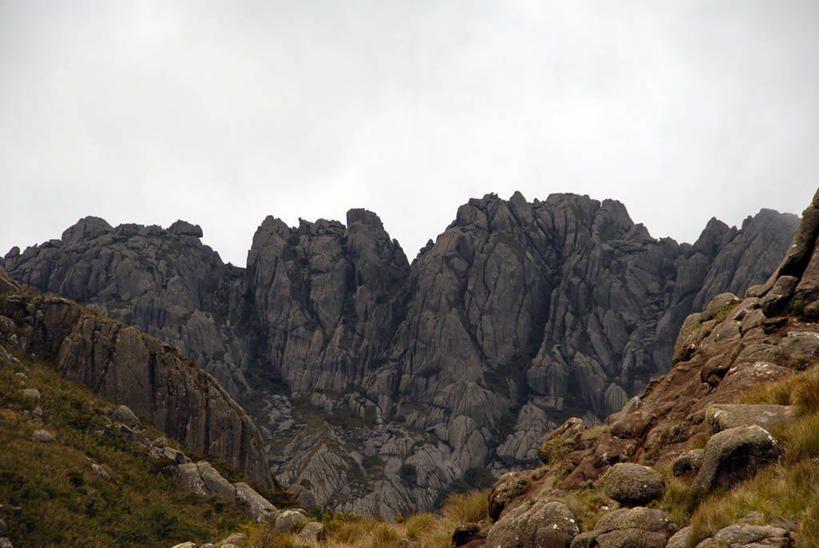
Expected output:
(380, 384)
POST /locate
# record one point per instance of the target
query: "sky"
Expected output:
(222, 113)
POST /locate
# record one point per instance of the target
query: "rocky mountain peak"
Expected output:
(86, 228)
(184, 228)
(355, 363)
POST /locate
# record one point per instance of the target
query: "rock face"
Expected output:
(547, 524)
(633, 484)
(365, 373)
(137, 371)
(643, 527)
(736, 454)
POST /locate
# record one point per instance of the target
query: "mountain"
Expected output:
(134, 369)
(381, 384)
(721, 450)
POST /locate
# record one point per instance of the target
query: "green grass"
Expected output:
(51, 496)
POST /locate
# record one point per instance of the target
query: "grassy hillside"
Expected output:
(51, 495)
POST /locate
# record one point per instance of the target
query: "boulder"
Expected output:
(312, 531)
(124, 415)
(508, 487)
(43, 436)
(682, 538)
(101, 472)
(633, 484)
(234, 539)
(31, 394)
(647, 519)
(736, 454)
(307, 498)
(258, 506)
(535, 524)
(722, 416)
(635, 527)
(742, 535)
(188, 475)
(214, 482)
(188, 544)
(690, 461)
(290, 521)
(775, 300)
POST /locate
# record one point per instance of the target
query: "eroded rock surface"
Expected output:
(360, 368)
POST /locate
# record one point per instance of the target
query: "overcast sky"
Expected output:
(221, 113)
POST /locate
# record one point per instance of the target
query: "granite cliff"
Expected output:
(721, 450)
(134, 369)
(379, 384)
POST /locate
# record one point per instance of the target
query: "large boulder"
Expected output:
(746, 535)
(124, 415)
(736, 454)
(632, 484)
(636, 527)
(290, 521)
(508, 487)
(258, 506)
(536, 524)
(214, 481)
(722, 416)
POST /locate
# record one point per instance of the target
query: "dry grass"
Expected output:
(789, 490)
(347, 531)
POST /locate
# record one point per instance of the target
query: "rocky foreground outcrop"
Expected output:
(137, 370)
(378, 384)
(735, 345)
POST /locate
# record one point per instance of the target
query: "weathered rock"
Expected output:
(188, 476)
(124, 415)
(465, 533)
(647, 519)
(101, 472)
(633, 484)
(290, 521)
(744, 535)
(723, 416)
(635, 527)
(312, 531)
(449, 345)
(736, 454)
(258, 506)
(682, 538)
(139, 371)
(235, 539)
(31, 394)
(562, 439)
(780, 294)
(43, 436)
(690, 461)
(535, 524)
(188, 544)
(214, 482)
(307, 498)
(508, 487)
(6, 543)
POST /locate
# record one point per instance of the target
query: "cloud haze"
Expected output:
(221, 113)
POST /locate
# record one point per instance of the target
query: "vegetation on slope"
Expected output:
(50, 494)
(789, 490)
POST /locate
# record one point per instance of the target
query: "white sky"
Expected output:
(221, 113)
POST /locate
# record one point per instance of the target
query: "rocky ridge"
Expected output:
(137, 370)
(378, 384)
(735, 345)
